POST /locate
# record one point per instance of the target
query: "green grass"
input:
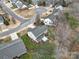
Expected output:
(73, 22)
(38, 51)
(28, 43)
(26, 56)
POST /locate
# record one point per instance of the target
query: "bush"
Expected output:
(6, 22)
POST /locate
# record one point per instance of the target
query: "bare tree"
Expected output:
(62, 31)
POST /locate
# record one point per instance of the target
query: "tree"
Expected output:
(62, 34)
(6, 22)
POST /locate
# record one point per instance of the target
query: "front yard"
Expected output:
(38, 51)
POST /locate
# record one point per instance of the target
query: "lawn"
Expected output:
(28, 43)
(38, 51)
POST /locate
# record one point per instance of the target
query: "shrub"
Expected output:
(6, 22)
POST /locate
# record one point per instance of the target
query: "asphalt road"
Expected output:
(20, 27)
(40, 10)
(14, 15)
(10, 12)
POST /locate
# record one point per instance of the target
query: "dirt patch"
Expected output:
(27, 13)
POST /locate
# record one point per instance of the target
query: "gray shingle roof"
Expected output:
(51, 17)
(10, 50)
(40, 37)
(14, 1)
(38, 31)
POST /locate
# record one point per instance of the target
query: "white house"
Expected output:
(57, 10)
(37, 34)
(19, 4)
(59, 7)
(48, 22)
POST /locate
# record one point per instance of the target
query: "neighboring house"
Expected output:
(13, 49)
(18, 3)
(47, 2)
(49, 20)
(59, 7)
(13, 1)
(57, 10)
(50, 2)
(35, 2)
(38, 33)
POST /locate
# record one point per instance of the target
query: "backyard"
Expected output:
(38, 51)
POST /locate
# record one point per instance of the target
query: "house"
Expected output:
(13, 49)
(49, 20)
(35, 2)
(57, 10)
(13, 1)
(59, 7)
(47, 2)
(38, 33)
(18, 3)
(50, 2)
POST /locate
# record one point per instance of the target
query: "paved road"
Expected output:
(10, 12)
(40, 10)
(20, 27)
